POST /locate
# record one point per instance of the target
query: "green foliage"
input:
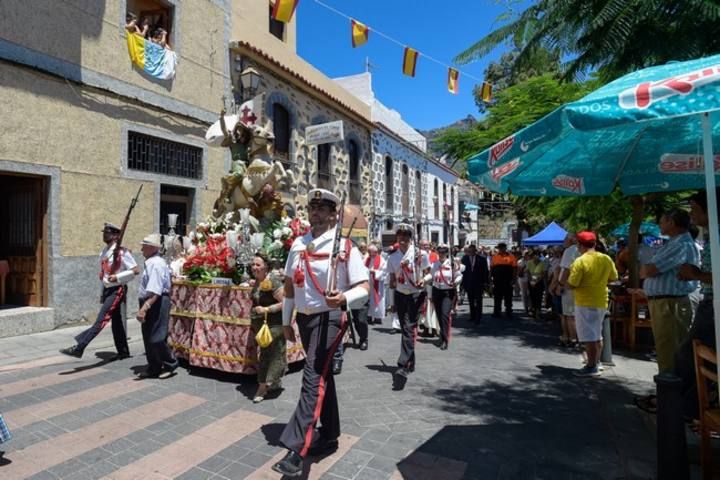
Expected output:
(516, 107)
(612, 37)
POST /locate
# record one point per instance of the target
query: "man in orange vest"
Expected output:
(503, 268)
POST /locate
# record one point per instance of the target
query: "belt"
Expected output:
(313, 311)
(662, 297)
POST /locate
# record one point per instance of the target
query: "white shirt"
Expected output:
(155, 277)
(569, 256)
(308, 299)
(404, 276)
(106, 258)
(442, 275)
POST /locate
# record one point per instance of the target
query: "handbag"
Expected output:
(5, 434)
(264, 336)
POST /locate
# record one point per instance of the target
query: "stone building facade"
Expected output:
(296, 96)
(83, 129)
(408, 184)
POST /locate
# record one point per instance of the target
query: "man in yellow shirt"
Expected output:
(589, 276)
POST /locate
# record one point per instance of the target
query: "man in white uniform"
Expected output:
(445, 279)
(322, 324)
(114, 275)
(406, 272)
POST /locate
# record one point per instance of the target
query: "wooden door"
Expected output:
(23, 238)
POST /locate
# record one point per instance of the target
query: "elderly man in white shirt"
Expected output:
(154, 313)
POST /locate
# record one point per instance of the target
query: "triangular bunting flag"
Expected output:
(453, 80)
(284, 10)
(359, 33)
(486, 92)
(409, 61)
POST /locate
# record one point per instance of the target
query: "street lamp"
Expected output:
(250, 81)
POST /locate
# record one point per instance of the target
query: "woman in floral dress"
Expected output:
(267, 295)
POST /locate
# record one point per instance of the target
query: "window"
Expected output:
(354, 159)
(388, 184)
(405, 191)
(418, 194)
(277, 29)
(281, 130)
(436, 200)
(323, 166)
(157, 155)
(156, 13)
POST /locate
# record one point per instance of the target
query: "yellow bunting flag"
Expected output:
(453, 80)
(359, 32)
(284, 10)
(409, 61)
(486, 92)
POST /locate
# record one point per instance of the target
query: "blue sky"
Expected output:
(439, 28)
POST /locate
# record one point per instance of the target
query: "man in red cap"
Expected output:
(589, 276)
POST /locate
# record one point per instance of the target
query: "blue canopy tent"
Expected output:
(553, 234)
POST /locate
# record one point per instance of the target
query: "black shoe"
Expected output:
(323, 447)
(337, 367)
(400, 378)
(443, 346)
(363, 345)
(119, 356)
(291, 465)
(146, 375)
(73, 351)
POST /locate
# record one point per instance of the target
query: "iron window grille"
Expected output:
(158, 155)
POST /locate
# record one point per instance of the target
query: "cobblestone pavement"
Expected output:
(500, 403)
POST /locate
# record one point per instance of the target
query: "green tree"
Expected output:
(516, 107)
(612, 37)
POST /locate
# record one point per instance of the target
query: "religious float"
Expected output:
(210, 317)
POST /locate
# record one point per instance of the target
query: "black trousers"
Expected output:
(155, 333)
(474, 297)
(536, 295)
(443, 301)
(703, 329)
(502, 293)
(360, 321)
(320, 335)
(112, 310)
(408, 308)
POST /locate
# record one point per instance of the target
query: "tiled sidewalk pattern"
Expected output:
(499, 404)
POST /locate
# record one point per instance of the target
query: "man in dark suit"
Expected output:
(475, 277)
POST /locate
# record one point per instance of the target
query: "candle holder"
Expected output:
(169, 241)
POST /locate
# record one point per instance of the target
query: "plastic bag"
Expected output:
(264, 336)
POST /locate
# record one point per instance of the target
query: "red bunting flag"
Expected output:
(359, 33)
(284, 9)
(409, 61)
(486, 92)
(453, 81)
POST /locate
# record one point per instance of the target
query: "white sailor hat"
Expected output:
(404, 228)
(153, 240)
(443, 248)
(320, 195)
(111, 227)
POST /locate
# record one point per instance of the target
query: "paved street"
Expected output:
(501, 403)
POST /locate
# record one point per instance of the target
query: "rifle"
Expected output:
(332, 271)
(418, 258)
(117, 258)
(347, 259)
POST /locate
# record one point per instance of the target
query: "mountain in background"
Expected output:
(463, 124)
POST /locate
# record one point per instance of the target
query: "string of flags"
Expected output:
(283, 11)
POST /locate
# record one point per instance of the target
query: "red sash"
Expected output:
(375, 282)
(442, 277)
(299, 277)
